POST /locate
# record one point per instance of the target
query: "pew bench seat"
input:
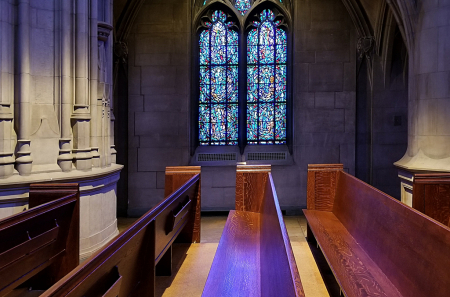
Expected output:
(354, 269)
(236, 267)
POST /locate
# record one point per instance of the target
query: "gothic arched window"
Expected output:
(242, 74)
(218, 102)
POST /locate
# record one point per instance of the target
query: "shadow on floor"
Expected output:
(179, 254)
(325, 271)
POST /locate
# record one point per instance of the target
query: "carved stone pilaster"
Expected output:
(65, 155)
(6, 153)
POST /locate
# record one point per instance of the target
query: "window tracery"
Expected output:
(242, 99)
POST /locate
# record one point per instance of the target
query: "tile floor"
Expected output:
(192, 262)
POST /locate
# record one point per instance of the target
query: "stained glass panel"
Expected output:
(218, 78)
(266, 81)
(243, 6)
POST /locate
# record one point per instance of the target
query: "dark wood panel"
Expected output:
(44, 193)
(175, 178)
(431, 195)
(437, 202)
(35, 245)
(235, 270)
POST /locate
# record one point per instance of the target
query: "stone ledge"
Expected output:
(17, 180)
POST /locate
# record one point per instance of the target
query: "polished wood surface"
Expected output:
(377, 245)
(127, 264)
(356, 273)
(431, 195)
(236, 267)
(38, 246)
(254, 257)
(175, 178)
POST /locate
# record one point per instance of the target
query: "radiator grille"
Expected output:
(216, 157)
(266, 156)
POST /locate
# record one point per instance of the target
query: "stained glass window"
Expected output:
(266, 81)
(242, 5)
(218, 100)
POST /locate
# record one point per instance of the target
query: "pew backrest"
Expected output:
(276, 250)
(409, 247)
(38, 245)
(126, 265)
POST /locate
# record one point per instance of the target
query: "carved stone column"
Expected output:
(81, 115)
(429, 95)
(6, 89)
(65, 149)
(94, 83)
(104, 36)
(23, 89)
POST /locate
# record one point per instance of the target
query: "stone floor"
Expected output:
(192, 262)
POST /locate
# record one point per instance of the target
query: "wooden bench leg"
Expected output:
(309, 235)
(164, 266)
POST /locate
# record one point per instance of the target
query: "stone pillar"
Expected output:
(6, 88)
(105, 63)
(81, 115)
(429, 102)
(23, 89)
(65, 149)
(94, 83)
(112, 147)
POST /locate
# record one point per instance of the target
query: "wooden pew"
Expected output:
(41, 245)
(374, 244)
(254, 256)
(127, 265)
(431, 195)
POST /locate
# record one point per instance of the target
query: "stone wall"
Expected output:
(324, 64)
(158, 100)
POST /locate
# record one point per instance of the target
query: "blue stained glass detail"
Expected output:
(266, 81)
(243, 6)
(218, 78)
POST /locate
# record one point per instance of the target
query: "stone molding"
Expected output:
(98, 187)
(104, 30)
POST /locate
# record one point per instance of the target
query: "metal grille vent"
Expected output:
(216, 157)
(266, 156)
